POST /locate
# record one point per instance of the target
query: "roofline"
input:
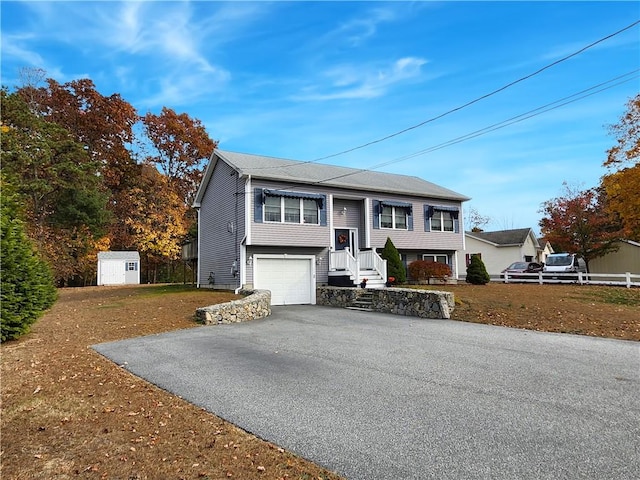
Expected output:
(219, 154)
(529, 233)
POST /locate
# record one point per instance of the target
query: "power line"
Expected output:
(626, 77)
(526, 77)
(519, 118)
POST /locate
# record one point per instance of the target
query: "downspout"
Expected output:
(464, 239)
(243, 265)
(247, 232)
(199, 250)
(235, 230)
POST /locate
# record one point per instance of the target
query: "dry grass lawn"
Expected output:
(67, 412)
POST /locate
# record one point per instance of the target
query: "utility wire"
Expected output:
(433, 119)
(510, 121)
(526, 77)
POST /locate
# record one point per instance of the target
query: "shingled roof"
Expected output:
(312, 173)
(503, 238)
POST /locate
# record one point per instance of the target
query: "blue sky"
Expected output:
(307, 80)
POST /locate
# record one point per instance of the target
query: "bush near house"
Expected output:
(395, 267)
(421, 270)
(477, 272)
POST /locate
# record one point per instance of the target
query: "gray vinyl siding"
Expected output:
(352, 218)
(295, 235)
(417, 238)
(275, 234)
(221, 210)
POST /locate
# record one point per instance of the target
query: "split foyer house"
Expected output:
(287, 226)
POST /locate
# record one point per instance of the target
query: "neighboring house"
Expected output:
(500, 249)
(287, 226)
(545, 250)
(118, 268)
(626, 259)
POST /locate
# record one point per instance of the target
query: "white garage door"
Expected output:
(290, 279)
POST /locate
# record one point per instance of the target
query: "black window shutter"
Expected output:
(376, 214)
(323, 211)
(428, 213)
(257, 205)
(456, 221)
(410, 219)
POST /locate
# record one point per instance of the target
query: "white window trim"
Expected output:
(393, 218)
(282, 212)
(432, 257)
(441, 213)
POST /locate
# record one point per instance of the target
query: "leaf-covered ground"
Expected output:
(67, 412)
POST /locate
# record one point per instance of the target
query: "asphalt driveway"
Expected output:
(376, 396)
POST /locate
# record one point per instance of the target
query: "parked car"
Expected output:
(521, 267)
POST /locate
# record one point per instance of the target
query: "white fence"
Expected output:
(621, 279)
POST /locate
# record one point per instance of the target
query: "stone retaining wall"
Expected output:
(399, 301)
(257, 304)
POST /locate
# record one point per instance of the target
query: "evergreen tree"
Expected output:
(27, 283)
(477, 272)
(395, 267)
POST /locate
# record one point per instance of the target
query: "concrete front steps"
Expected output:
(374, 279)
(364, 301)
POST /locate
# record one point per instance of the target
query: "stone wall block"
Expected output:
(399, 301)
(256, 304)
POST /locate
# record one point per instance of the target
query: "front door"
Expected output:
(347, 239)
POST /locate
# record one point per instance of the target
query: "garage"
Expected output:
(290, 278)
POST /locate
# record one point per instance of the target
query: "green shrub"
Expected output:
(395, 267)
(27, 284)
(477, 272)
(426, 270)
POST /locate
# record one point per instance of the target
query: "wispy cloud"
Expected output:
(353, 81)
(355, 31)
(15, 46)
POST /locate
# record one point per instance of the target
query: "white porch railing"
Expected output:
(366, 260)
(370, 260)
(343, 260)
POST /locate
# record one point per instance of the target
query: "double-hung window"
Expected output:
(291, 210)
(273, 209)
(436, 257)
(393, 217)
(442, 221)
(285, 206)
(310, 211)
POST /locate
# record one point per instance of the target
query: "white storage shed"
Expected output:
(118, 268)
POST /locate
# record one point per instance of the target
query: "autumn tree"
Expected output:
(103, 125)
(623, 183)
(181, 148)
(157, 221)
(58, 183)
(627, 133)
(579, 222)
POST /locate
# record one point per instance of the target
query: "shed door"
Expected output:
(290, 280)
(112, 272)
